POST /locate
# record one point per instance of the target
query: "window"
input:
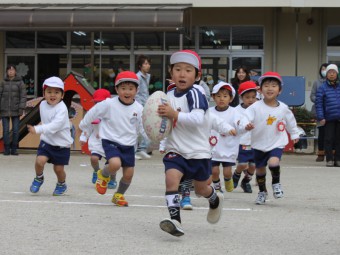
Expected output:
(51, 40)
(214, 37)
(15, 39)
(81, 40)
(247, 38)
(149, 41)
(116, 41)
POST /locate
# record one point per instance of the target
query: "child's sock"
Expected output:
(61, 183)
(248, 177)
(96, 168)
(261, 181)
(40, 177)
(105, 172)
(275, 170)
(236, 175)
(172, 199)
(113, 177)
(217, 184)
(185, 190)
(123, 186)
(213, 199)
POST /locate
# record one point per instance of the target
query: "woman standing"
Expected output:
(12, 105)
(241, 75)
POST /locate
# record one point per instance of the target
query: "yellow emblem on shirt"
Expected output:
(270, 120)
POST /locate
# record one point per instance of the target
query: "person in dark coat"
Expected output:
(12, 105)
(241, 75)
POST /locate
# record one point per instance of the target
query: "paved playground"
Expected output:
(306, 221)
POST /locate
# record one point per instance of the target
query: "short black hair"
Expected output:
(141, 59)
(270, 79)
(10, 66)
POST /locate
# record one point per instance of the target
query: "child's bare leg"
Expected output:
(95, 163)
(40, 164)
(60, 172)
(216, 177)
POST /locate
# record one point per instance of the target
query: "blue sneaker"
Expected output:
(186, 203)
(94, 177)
(112, 184)
(60, 189)
(36, 184)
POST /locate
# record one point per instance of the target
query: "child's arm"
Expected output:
(94, 113)
(57, 123)
(221, 126)
(291, 126)
(85, 135)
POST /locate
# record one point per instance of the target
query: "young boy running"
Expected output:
(269, 119)
(55, 140)
(121, 122)
(187, 146)
(94, 140)
(247, 91)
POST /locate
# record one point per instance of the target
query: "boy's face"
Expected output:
(145, 68)
(249, 98)
(270, 89)
(127, 92)
(53, 95)
(222, 99)
(183, 75)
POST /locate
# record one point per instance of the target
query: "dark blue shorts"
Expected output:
(224, 164)
(261, 158)
(246, 154)
(197, 169)
(56, 155)
(97, 154)
(116, 150)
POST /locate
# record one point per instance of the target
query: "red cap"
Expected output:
(274, 75)
(101, 94)
(126, 76)
(246, 86)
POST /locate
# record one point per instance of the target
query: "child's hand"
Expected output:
(31, 129)
(233, 132)
(250, 126)
(82, 143)
(295, 140)
(165, 110)
(322, 122)
(161, 151)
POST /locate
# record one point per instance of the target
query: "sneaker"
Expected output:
(261, 198)
(186, 203)
(36, 184)
(320, 158)
(173, 227)
(137, 157)
(229, 185)
(246, 187)
(143, 155)
(119, 200)
(94, 177)
(112, 184)
(337, 163)
(277, 192)
(236, 179)
(101, 183)
(60, 189)
(214, 215)
(330, 163)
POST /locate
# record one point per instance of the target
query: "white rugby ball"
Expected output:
(155, 126)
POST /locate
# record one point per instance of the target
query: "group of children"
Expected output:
(192, 150)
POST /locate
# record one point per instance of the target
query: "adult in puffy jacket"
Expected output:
(12, 105)
(328, 113)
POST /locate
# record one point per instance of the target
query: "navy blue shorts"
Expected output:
(261, 158)
(116, 150)
(196, 169)
(97, 155)
(224, 164)
(56, 155)
(246, 154)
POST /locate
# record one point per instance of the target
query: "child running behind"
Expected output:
(247, 91)
(55, 140)
(95, 142)
(187, 146)
(269, 119)
(121, 122)
(225, 150)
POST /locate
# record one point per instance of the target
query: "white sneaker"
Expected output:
(277, 192)
(261, 198)
(137, 157)
(214, 215)
(173, 227)
(143, 155)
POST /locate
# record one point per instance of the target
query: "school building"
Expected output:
(99, 38)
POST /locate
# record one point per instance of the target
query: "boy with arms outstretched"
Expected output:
(269, 119)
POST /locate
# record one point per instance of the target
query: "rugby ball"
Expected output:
(155, 126)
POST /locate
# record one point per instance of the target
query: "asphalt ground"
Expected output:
(306, 221)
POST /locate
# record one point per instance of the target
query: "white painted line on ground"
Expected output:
(105, 204)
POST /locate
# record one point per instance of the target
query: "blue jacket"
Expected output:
(327, 102)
